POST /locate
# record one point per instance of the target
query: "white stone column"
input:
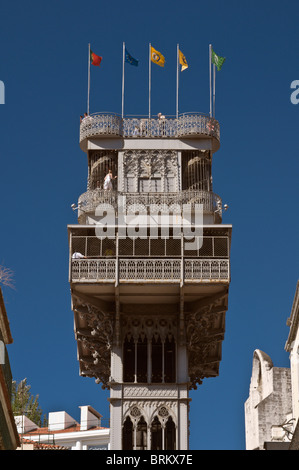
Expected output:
(116, 399)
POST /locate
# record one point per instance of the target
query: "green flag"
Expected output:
(217, 60)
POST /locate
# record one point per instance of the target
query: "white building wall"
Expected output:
(269, 403)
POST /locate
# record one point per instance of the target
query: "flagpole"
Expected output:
(123, 83)
(210, 68)
(88, 86)
(214, 88)
(177, 82)
(149, 83)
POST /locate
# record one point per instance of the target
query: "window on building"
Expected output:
(141, 435)
(142, 360)
(152, 361)
(129, 360)
(128, 434)
(156, 434)
(156, 360)
(170, 432)
(169, 360)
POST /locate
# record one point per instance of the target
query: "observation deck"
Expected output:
(186, 126)
(152, 203)
(170, 260)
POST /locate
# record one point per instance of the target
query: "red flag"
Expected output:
(95, 59)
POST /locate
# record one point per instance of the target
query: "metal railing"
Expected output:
(186, 125)
(150, 270)
(153, 202)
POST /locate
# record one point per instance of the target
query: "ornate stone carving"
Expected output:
(148, 164)
(150, 391)
(96, 338)
(149, 410)
(204, 334)
(149, 326)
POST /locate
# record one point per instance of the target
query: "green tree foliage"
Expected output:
(24, 403)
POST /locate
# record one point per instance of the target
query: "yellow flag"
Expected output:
(182, 60)
(157, 57)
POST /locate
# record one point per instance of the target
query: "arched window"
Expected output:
(170, 434)
(128, 434)
(156, 434)
(141, 435)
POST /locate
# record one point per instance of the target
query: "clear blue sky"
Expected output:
(43, 64)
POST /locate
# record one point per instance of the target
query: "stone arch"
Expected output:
(163, 412)
(261, 378)
(134, 412)
(163, 428)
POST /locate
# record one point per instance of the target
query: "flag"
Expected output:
(217, 60)
(182, 61)
(95, 59)
(130, 59)
(157, 57)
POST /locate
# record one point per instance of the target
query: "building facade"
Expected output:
(9, 438)
(64, 433)
(292, 347)
(149, 271)
(269, 405)
(271, 410)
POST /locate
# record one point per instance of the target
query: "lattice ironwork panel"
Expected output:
(100, 269)
(221, 247)
(125, 246)
(150, 269)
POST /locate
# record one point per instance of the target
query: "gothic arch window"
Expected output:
(156, 434)
(134, 432)
(170, 435)
(163, 430)
(127, 434)
(141, 435)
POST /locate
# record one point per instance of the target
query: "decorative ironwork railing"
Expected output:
(186, 125)
(149, 270)
(153, 202)
(206, 269)
(94, 269)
